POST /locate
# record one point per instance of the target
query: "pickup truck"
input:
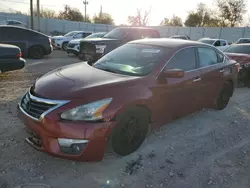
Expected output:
(10, 58)
(218, 43)
(92, 49)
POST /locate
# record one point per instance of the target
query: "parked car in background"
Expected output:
(241, 54)
(74, 45)
(243, 40)
(77, 111)
(14, 23)
(32, 43)
(218, 43)
(10, 58)
(184, 37)
(93, 49)
(61, 42)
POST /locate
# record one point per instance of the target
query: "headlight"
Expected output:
(100, 48)
(88, 112)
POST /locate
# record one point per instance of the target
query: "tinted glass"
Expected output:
(207, 57)
(12, 33)
(223, 43)
(243, 49)
(185, 60)
(132, 59)
(70, 34)
(79, 35)
(207, 41)
(95, 35)
(217, 43)
(115, 34)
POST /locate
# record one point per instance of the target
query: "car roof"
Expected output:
(12, 26)
(168, 42)
(141, 28)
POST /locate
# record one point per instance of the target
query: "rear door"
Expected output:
(212, 67)
(15, 36)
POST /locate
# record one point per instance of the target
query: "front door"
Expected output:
(180, 96)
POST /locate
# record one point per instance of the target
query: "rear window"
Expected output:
(243, 49)
(132, 59)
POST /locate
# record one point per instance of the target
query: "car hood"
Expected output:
(75, 41)
(64, 83)
(239, 58)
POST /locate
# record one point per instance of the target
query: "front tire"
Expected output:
(224, 96)
(130, 131)
(64, 46)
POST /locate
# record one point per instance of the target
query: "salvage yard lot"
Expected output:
(206, 149)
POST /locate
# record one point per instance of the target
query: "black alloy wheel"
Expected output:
(130, 131)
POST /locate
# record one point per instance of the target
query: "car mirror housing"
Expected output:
(174, 73)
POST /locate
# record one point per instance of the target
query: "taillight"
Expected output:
(237, 65)
(49, 40)
(19, 54)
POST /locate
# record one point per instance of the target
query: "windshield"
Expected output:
(114, 34)
(132, 59)
(242, 49)
(95, 35)
(70, 34)
(207, 41)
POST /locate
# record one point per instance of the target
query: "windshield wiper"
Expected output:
(107, 69)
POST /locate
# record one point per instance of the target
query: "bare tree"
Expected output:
(140, 19)
(231, 11)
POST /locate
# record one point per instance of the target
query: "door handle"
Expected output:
(222, 70)
(196, 79)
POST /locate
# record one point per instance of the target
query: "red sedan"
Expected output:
(76, 111)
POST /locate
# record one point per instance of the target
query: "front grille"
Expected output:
(34, 108)
(71, 45)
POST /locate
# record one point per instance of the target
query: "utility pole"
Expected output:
(38, 15)
(85, 2)
(31, 15)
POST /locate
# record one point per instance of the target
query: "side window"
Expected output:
(77, 36)
(223, 43)
(217, 43)
(185, 60)
(85, 35)
(207, 57)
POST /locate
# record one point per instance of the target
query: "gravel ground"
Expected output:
(206, 149)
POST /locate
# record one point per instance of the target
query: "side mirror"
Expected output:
(174, 73)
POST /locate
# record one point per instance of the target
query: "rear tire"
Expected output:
(130, 132)
(36, 52)
(224, 96)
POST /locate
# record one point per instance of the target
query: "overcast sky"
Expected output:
(119, 10)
